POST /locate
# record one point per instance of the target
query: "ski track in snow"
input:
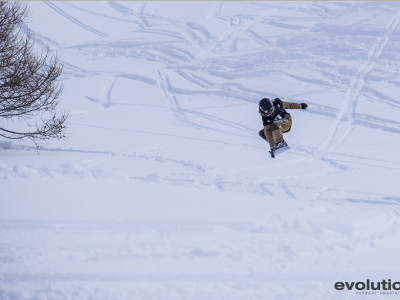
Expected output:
(349, 107)
(169, 100)
(225, 44)
(105, 94)
(72, 19)
(214, 51)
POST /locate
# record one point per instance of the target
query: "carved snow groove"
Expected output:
(105, 94)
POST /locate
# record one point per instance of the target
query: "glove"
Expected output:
(303, 105)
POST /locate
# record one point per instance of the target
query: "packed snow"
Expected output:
(164, 189)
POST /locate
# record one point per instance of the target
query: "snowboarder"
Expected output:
(276, 121)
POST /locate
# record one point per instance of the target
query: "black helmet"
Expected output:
(267, 107)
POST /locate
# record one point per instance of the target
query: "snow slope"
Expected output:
(164, 190)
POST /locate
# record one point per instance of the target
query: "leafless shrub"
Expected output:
(28, 80)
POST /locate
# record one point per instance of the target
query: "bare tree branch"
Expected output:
(28, 81)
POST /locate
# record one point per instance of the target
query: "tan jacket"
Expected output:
(286, 105)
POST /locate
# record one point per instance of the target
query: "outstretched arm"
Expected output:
(292, 105)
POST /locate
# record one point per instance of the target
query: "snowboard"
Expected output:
(274, 152)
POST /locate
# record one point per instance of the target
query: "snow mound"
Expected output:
(5, 145)
(155, 177)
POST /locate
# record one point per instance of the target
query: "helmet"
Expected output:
(267, 107)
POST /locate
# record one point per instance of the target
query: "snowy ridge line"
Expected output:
(273, 277)
(204, 177)
(368, 159)
(272, 167)
(360, 164)
(90, 163)
(315, 174)
(163, 179)
(263, 187)
(71, 171)
(370, 201)
(344, 188)
(152, 149)
(348, 108)
(147, 132)
(134, 154)
(197, 167)
(184, 225)
(72, 19)
(173, 277)
(23, 147)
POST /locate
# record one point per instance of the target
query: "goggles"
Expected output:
(269, 112)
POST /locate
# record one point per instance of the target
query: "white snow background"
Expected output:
(164, 190)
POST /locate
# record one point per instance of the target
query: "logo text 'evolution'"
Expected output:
(368, 285)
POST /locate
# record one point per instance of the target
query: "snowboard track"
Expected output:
(214, 60)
